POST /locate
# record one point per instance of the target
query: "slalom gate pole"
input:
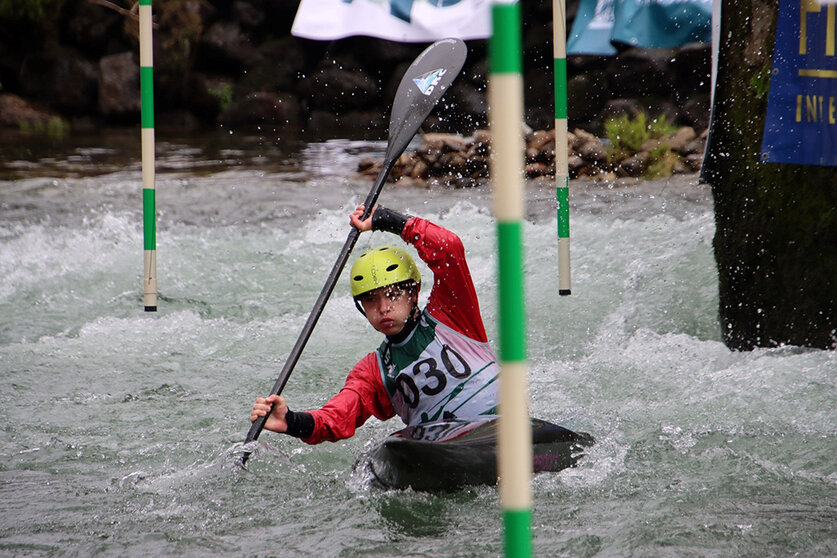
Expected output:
(505, 106)
(148, 188)
(562, 172)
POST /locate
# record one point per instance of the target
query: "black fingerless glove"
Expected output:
(384, 219)
(300, 424)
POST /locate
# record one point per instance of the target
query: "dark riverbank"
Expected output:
(74, 68)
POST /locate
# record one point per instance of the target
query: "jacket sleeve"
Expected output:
(453, 298)
(363, 395)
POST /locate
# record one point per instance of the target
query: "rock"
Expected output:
(92, 28)
(372, 171)
(534, 170)
(63, 78)
(640, 72)
(678, 141)
(575, 164)
(248, 15)
(694, 161)
(695, 112)
(468, 105)
(429, 152)
(697, 145)
(634, 165)
(593, 151)
(571, 139)
(324, 122)
(224, 44)
(180, 27)
(178, 120)
(539, 85)
(580, 137)
(690, 69)
(680, 167)
(455, 161)
(337, 89)
(368, 120)
(478, 167)
(16, 112)
(657, 106)
(420, 169)
(210, 94)
(531, 154)
(277, 67)
(615, 108)
(542, 139)
(365, 164)
(481, 143)
(263, 108)
(608, 176)
(445, 142)
(585, 95)
(452, 162)
(119, 85)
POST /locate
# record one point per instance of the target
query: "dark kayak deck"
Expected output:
(452, 454)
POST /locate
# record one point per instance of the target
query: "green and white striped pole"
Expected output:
(148, 188)
(562, 171)
(505, 106)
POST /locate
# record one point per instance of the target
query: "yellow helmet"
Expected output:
(381, 267)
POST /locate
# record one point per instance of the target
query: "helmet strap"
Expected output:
(408, 328)
(359, 307)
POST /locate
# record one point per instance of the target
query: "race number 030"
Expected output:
(428, 372)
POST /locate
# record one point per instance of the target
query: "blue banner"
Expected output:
(601, 27)
(801, 121)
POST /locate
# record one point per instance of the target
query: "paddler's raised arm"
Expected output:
(453, 298)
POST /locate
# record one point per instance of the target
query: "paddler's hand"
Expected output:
(276, 421)
(366, 224)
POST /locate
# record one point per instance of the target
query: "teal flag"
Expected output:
(602, 27)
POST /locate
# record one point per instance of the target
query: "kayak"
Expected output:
(448, 455)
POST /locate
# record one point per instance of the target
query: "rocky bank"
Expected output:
(457, 161)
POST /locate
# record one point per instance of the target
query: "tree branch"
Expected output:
(132, 13)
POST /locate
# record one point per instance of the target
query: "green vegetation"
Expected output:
(663, 161)
(34, 11)
(55, 127)
(760, 83)
(224, 94)
(627, 136)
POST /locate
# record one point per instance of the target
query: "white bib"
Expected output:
(438, 373)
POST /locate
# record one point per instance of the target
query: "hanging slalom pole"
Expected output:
(514, 444)
(148, 181)
(562, 171)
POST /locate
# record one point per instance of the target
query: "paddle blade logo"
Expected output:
(428, 82)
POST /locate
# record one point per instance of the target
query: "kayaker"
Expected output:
(436, 362)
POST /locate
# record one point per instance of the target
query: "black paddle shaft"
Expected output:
(421, 88)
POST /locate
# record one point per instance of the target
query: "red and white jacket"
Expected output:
(453, 301)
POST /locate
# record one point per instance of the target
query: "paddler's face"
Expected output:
(388, 308)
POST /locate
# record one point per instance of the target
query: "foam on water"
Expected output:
(121, 426)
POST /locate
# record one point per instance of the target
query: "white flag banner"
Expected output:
(396, 20)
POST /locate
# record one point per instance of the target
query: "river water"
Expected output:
(120, 426)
